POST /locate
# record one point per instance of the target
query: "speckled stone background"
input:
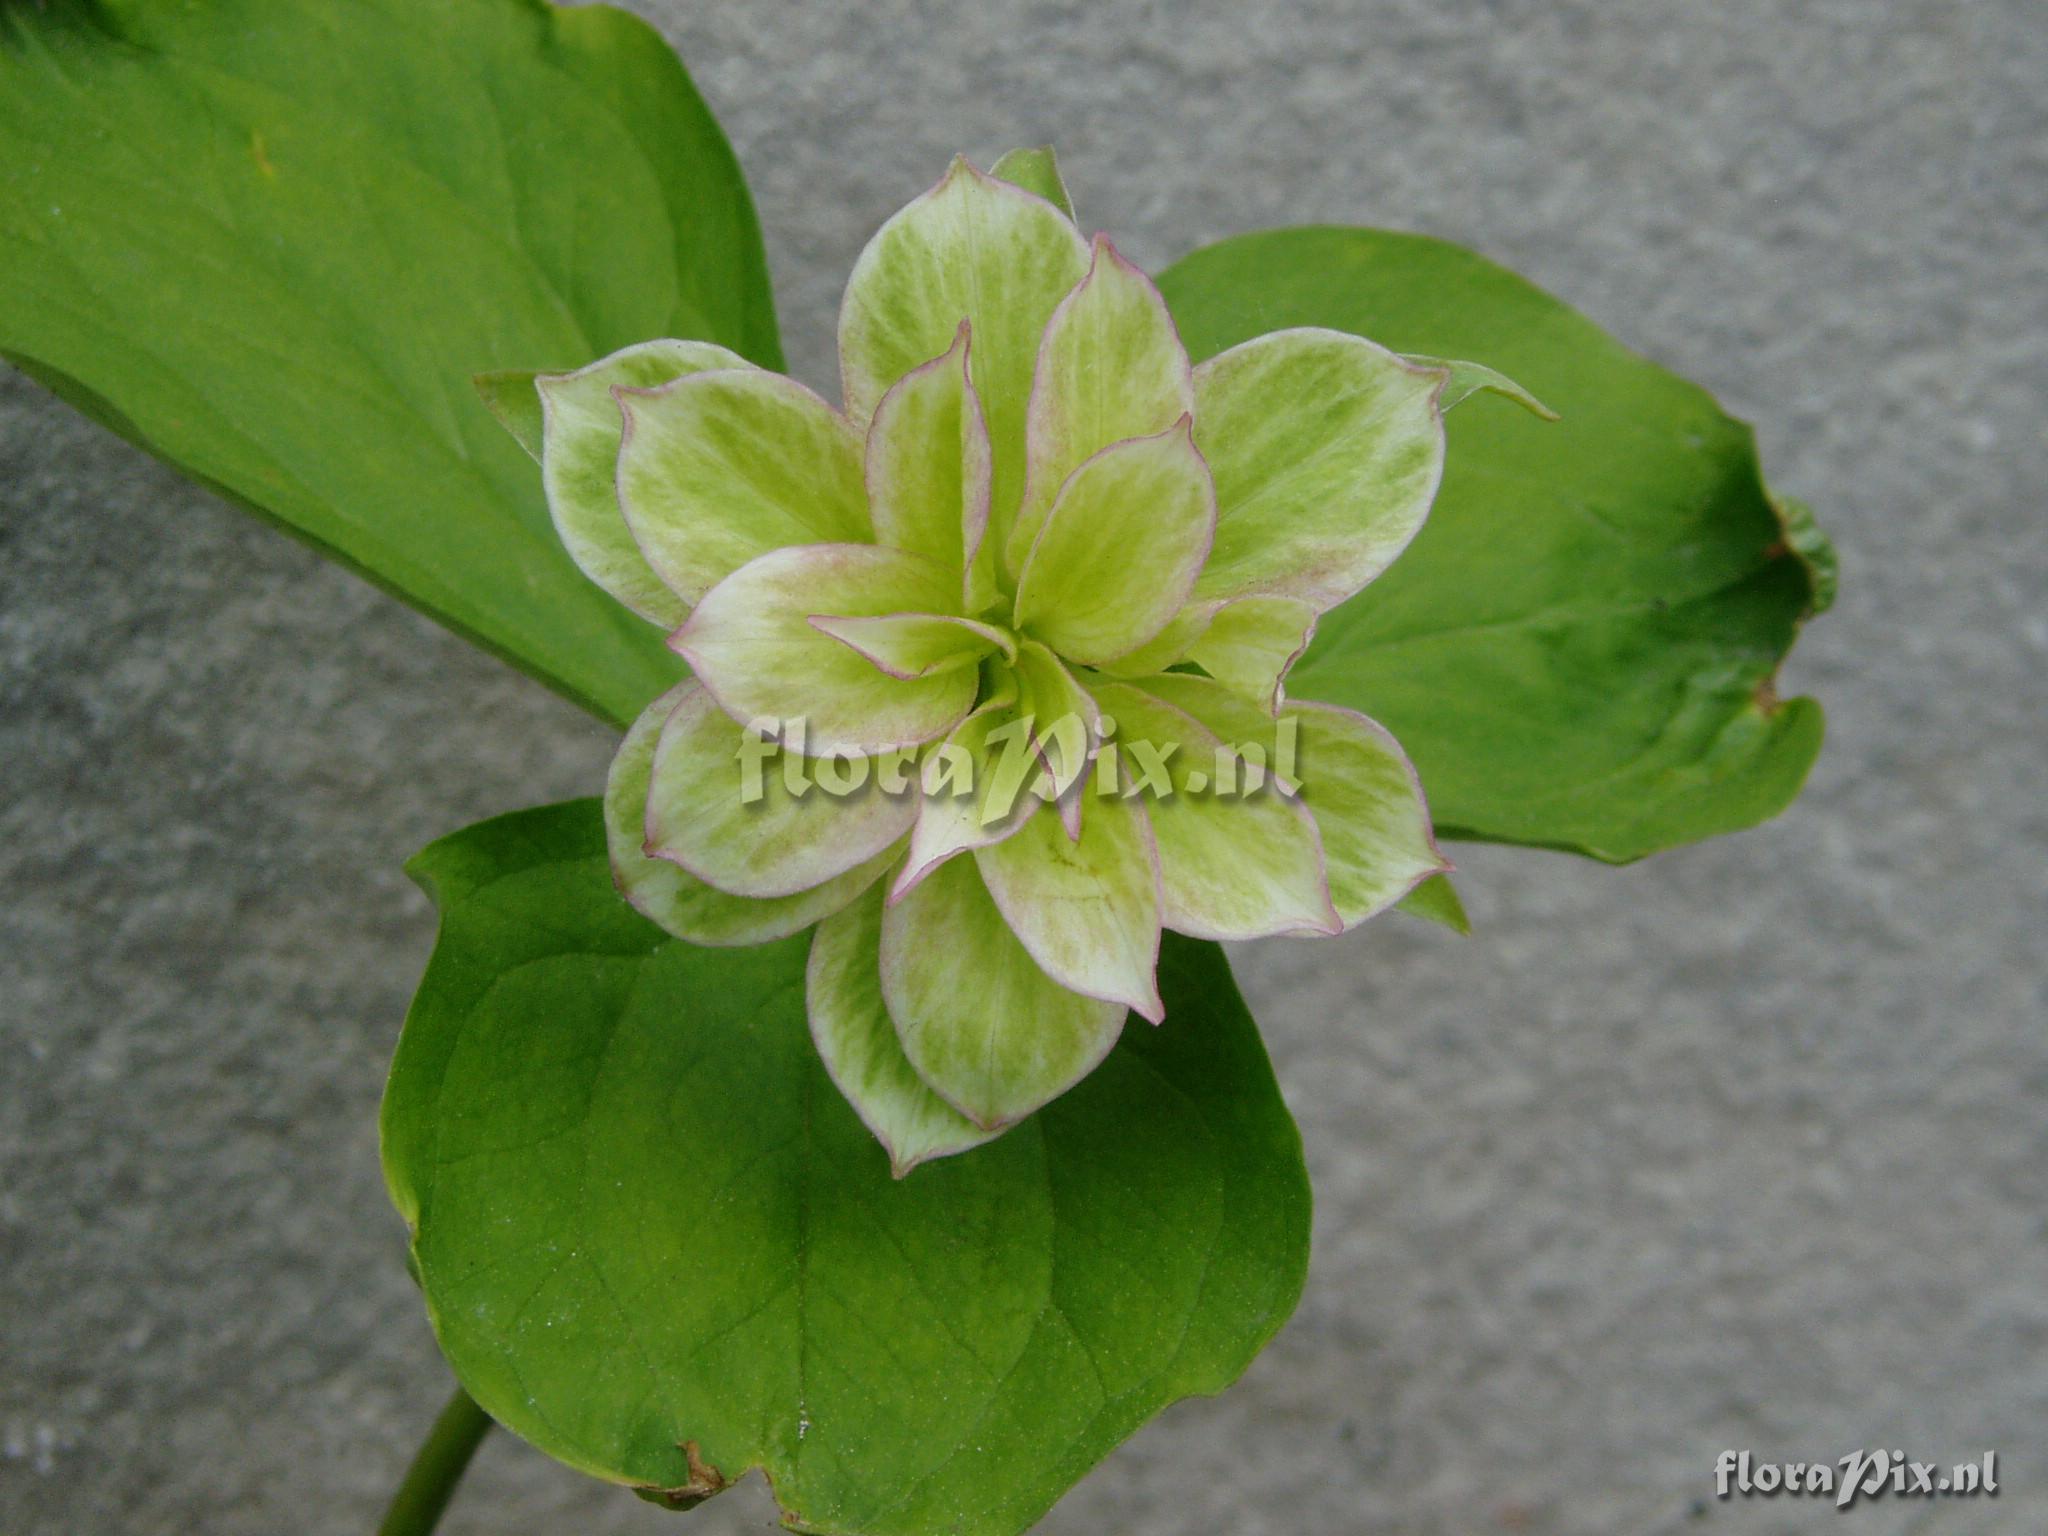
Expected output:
(1742, 1147)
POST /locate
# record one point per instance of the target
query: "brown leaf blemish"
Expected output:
(705, 1481)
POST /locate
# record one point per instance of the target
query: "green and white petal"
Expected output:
(1229, 715)
(913, 645)
(1169, 646)
(1326, 452)
(676, 899)
(581, 425)
(751, 642)
(975, 791)
(1250, 644)
(1087, 909)
(1037, 171)
(928, 469)
(1237, 866)
(718, 468)
(1110, 367)
(975, 249)
(726, 812)
(983, 1026)
(1362, 790)
(1121, 549)
(857, 1041)
(1065, 724)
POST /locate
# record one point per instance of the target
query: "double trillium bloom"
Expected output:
(987, 666)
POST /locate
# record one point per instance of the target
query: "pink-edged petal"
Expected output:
(674, 898)
(754, 822)
(1121, 549)
(1367, 801)
(719, 468)
(1065, 726)
(928, 469)
(857, 1042)
(752, 644)
(1248, 643)
(975, 249)
(1087, 909)
(914, 645)
(1249, 646)
(580, 433)
(1169, 646)
(975, 791)
(1110, 367)
(1243, 865)
(1326, 451)
(984, 1027)
(1030, 743)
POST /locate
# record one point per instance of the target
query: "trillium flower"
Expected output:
(1031, 524)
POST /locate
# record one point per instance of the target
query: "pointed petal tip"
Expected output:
(960, 168)
(899, 1165)
(1325, 928)
(1101, 246)
(1330, 922)
(1036, 169)
(1070, 810)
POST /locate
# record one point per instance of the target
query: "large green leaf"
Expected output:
(271, 240)
(1578, 650)
(645, 1219)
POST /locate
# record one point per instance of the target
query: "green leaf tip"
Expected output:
(1436, 900)
(1037, 171)
(512, 398)
(1463, 380)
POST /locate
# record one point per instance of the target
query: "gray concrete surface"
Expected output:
(1739, 1148)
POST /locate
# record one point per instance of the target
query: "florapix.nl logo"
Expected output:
(1022, 756)
(1859, 1475)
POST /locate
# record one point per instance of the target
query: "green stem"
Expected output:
(430, 1480)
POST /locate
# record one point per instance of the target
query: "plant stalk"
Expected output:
(431, 1479)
